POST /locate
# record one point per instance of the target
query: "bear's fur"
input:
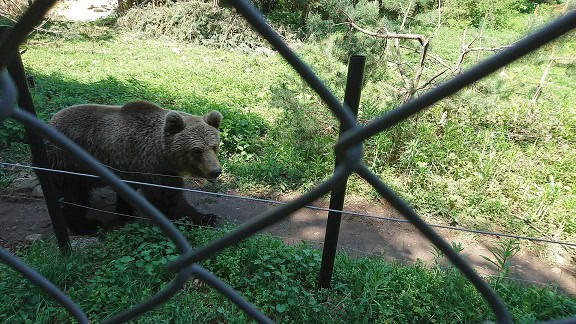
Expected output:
(141, 142)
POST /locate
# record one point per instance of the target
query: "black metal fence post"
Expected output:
(16, 70)
(352, 100)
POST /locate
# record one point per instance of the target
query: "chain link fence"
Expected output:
(348, 151)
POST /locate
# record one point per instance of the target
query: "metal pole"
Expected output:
(16, 70)
(352, 99)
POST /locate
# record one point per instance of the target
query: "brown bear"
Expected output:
(141, 142)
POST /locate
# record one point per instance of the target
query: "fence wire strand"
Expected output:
(348, 149)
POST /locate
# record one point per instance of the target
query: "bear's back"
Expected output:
(123, 137)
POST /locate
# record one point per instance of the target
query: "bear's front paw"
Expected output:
(209, 220)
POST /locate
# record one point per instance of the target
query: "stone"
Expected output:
(24, 184)
(37, 192)
(84, 242)
(33, 238)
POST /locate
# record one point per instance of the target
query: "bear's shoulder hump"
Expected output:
(141, 106)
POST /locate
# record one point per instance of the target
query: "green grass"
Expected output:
(485, 158)
(278, 279)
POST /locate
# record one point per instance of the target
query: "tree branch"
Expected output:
(488, 49)
(436, 58)
(406, 12)
(432, 80)
(386, 34)
(420, 67)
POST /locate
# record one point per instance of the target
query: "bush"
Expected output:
(474, 12)
(242, 135)
(12, 9)
(195, 22)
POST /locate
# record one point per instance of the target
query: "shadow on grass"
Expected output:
(241, 132)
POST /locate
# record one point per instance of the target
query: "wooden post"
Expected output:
(16, 70)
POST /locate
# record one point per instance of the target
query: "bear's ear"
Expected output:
(213, 119)
(173, 123)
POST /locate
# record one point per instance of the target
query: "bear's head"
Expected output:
(192, 143)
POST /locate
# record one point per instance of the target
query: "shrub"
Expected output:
(473, 12)
(195, 22)
(12, 9)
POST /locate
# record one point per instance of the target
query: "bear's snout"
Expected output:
(215, 173)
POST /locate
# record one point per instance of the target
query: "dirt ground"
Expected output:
(20, 217)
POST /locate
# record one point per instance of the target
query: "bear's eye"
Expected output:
(197, 151)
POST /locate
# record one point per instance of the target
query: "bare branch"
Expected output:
(386, 34)
(420, 67)
(563, 58)
(436, 58)
(406, 12)
(407, 84)
(488, 49)
(410, 84)
(439, 20)
(466, 48)
(463, 51)
(422, 87)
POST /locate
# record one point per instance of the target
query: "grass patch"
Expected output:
(280, 280)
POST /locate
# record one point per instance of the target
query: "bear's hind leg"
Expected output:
(77, 193)
(124, 208)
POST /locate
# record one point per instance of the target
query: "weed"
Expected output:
(439, 255)
(501, 255)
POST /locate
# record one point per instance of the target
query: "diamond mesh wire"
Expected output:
(348, 150)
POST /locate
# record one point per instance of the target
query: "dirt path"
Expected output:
(359, 236)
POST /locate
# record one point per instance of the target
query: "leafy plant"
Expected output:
(501, 255)
(11, 131)
(278, 279)
(242, 135)
(439, 255)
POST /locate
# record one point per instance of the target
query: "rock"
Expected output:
(24, 184)
(37, 192)
(84, 242)
(33, 238)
